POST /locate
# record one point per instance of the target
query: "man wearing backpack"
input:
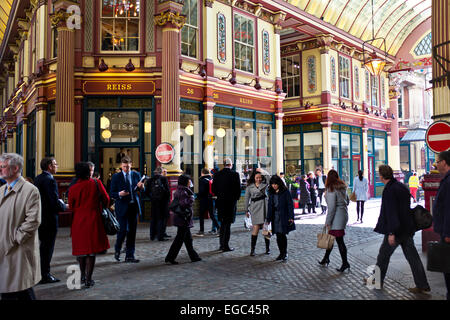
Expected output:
(206, 201)
(159, 194)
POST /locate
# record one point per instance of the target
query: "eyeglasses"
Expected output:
(439, 161)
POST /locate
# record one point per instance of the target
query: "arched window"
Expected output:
(424, 46)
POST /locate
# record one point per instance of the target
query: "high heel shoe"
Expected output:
(325, 261)
(344, 267)
(170, 261)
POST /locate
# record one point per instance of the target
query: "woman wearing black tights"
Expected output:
(337, 216)
(360, 188)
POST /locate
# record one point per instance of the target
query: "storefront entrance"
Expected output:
(115, 127)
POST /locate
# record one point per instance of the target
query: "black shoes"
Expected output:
(196, 259)
(89, 284)
(282, 257)
(117, 256)
(171, 261)
(48, 279)
(227, 249)
(252, 253)
(344, 267)
(132, 260)
(325, 261)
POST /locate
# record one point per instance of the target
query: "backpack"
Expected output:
(156, 190)
(422, 217)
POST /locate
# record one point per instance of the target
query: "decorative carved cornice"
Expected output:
(169, 17)
(209, 3)
(59, 18)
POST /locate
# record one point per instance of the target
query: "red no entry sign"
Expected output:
(164, 153)
(438, 136)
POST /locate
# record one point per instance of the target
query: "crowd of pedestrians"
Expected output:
(29, 219)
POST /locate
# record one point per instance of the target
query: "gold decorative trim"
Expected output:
(174, 18)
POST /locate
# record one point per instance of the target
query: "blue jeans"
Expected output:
(411, 255)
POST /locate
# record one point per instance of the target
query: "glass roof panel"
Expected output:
(5, 8)
(391, 17)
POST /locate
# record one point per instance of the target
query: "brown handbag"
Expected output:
(325, 240)
(353, 197)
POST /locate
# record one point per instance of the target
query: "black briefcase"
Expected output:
(438, 257)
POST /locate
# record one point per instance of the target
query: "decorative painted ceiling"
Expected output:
(5, 8)
(393, 20)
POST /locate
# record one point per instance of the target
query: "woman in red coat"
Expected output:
(88, 234)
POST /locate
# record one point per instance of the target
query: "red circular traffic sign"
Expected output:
(438, 136)
(164, 153)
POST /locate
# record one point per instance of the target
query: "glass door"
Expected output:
(110, 162)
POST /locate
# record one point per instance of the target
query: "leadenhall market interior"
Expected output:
(289, 86)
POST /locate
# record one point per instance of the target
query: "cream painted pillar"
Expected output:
(209, 20)
(16, 70)
(40, 133)
(365, 153)
(14, 141)
(208, 135)
(279, 142)
(26, 56)
(325, 71)
(24, 146)
(326, 138)
(41, 43)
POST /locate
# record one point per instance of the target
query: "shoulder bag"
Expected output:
(325, 240)
(438, 257)
(109, 220)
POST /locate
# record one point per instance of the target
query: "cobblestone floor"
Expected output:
(234, 275)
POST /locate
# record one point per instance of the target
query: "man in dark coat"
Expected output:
(227, 187)
(159, 192)
(397, 224)
(51, 206)
(124, 189)
(320, 181)
(206, 201)
(441, 206)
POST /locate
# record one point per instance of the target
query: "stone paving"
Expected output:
(237, 276)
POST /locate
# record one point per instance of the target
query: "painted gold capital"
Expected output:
(169, 17)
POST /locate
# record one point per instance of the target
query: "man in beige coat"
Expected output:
(20, 216)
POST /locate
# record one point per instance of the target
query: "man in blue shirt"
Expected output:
(441, 206)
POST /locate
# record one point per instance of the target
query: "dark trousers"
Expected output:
(183, 236)
(207, 205)
(313, 201)
(128, 225)
(47, 237)
(411, 254)
(24, 295)
(159, 220)
(360, 208)
(225, 233)
(215, 223)
(282, 244)
(447, 283)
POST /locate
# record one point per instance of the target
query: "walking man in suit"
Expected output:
(124, 189)
(227, 187)
(20, 208)
(159, 192)
(51, 206)
(320, 182)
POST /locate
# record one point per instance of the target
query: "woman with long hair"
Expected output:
(280, 213)
(183, 220)
(86, 199)
(256, 204)
(337, 216)
(360, 188)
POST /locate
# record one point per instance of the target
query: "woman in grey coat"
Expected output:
(360, 188)
(337, 216)
(256, 204)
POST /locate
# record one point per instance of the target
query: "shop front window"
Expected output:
(292, 151)
(191, 145)
(244, 147)
(312, 150)
(119, 127)
(335, 145)
(264, 146)
(120, 25)
(345, 146)
(223, 140)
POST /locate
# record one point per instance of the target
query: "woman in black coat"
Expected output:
(280, 213)
(305, 197)
(183, 219)
(312, 191)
